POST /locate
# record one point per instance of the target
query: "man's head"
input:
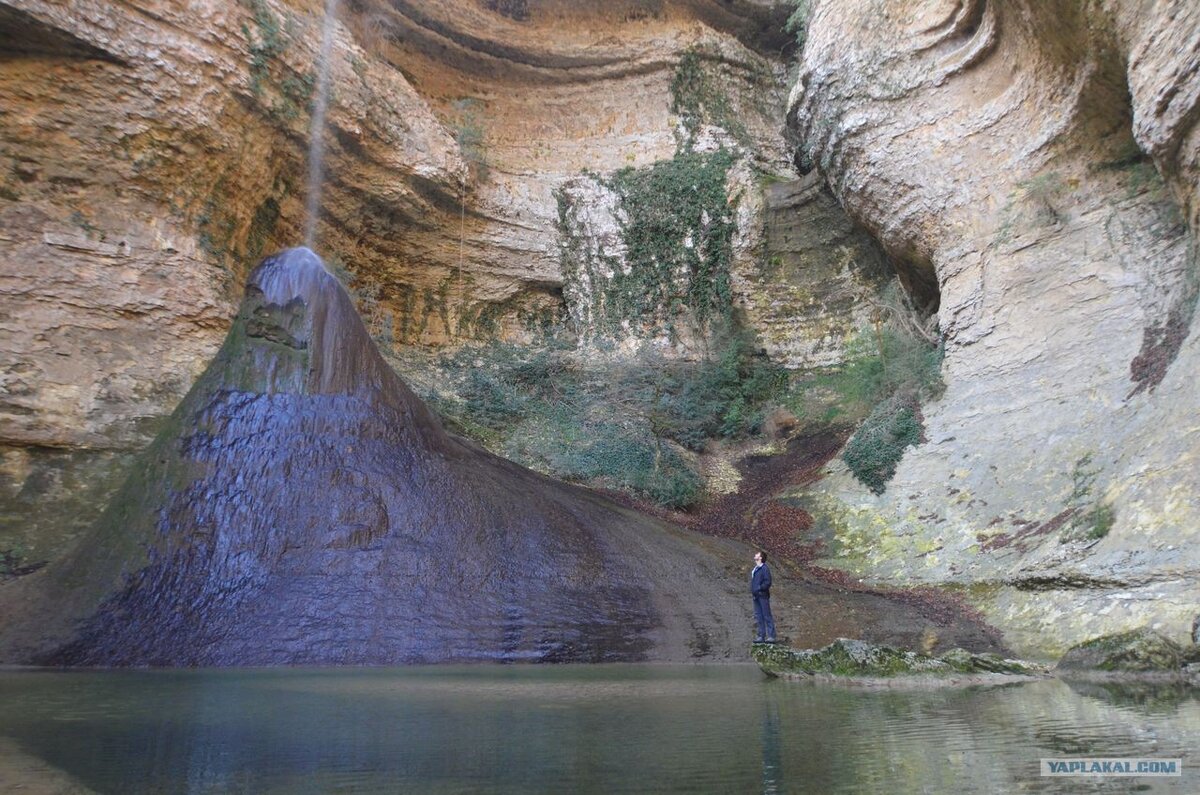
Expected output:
(759, 558)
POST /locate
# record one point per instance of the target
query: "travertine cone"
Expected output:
(304, 507)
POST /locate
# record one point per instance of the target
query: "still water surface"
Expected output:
(585, 729)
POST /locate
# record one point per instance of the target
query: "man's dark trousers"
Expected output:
(762, 614)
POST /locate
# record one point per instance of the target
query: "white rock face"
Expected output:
(1011, 153)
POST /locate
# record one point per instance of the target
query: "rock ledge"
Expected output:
(866, 663)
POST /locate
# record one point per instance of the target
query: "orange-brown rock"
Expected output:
(150, 150)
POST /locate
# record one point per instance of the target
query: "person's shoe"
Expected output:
(769, 640)
(759, 640)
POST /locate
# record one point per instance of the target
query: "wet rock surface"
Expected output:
(819, 605)
(1137, 651)
(857, 659)
(303, 507)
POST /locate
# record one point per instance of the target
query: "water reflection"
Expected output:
(1144, 697)
(579, 729)
(772, 748)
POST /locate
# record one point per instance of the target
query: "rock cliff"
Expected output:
(1034, 165)
(1029, 170)
(149, 152)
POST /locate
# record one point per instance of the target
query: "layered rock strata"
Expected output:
(1035, 164)
(149, 153)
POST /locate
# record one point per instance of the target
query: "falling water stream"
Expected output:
(316, 135)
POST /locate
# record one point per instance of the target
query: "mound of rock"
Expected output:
(1136, 651)
(302, 506)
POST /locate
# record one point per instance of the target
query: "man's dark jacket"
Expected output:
(760, 581)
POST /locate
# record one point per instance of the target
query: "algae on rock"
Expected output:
(1136, 651)
(847, 658)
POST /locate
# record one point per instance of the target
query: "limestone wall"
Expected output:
(1037, 162)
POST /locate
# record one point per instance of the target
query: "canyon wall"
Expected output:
(1030, 170)
(149, 153)
(1035, 164)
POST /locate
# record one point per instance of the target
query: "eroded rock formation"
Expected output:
(1035, 163)
(1031, 168)
(302, 506)
(148, 153)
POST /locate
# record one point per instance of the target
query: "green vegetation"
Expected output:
(880, 363)
(467, 123)
(888, 373)
(680, 221)
(677, 227)
(626, 424)
(877, 447)
(1091, 518)
(1136, 650)
(1045, 193)
(1038, 201)
(269, 39)
(11, 560)
(216, 230)
(296, 94)
(698, 98)
(636, 422)
(856, 658)
(1142, 177)
(266, 44)
(797, 22)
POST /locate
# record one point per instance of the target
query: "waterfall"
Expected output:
(316, 133)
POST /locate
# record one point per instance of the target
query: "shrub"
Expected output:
(722, 396)
(878, 445)
(880, 364)
(891, 370)
(618, 424)
(491, 399)
(622, 457)
(797, 22)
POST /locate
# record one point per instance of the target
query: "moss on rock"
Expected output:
(854, 659)
(1136, 651)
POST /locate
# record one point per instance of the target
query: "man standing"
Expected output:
(760, 589)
